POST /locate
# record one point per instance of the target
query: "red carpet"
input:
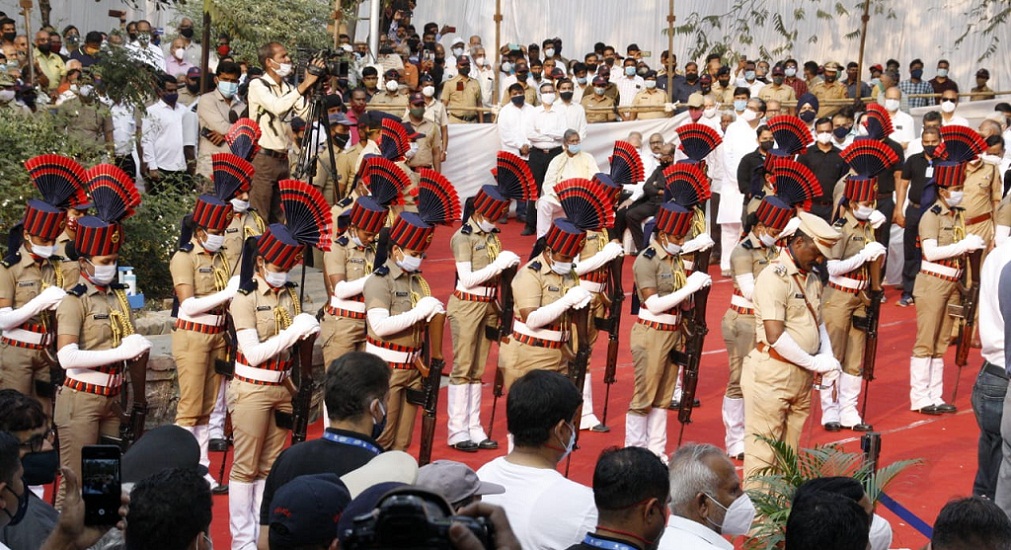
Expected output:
(947, 444)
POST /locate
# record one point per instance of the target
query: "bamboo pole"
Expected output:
(863, 40)
(670, 53)
(205, 53)
(498, 46)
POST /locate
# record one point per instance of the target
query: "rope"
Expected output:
(680, 280)
(698, 222)
(119, 320)
(494, 246)
(959, 230)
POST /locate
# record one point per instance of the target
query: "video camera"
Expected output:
(336, 63)
(413, 518)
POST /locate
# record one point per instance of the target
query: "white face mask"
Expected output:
(358, 242)
(479, 61)
(992, 159)
(881, 533)
(948, 106)
(104, 274)
(768, 241)
(6, 96)
(863, 212)
(213, 242)
(572, 441)
(275, 279)
(239, 206)
(392, 86)
(283, 69)
(739, 517)
(892, 105)
(457, 52)
(709, 112)
(428, 91)
(672, 249)
(955, 198)
(650, 84)
(410, 263)
(561, 268)
(180, 53)
(548, 99)
(824, 137)
(549, 52)
(486, 226)
(749, 116)
(790, 72)
(43, 251)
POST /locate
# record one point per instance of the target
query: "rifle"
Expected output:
(501, 333)
(301, 401)
(612, 324)
(967, 311)
(578, 364)
(131, 426)
(695, 334)
(869, 325)
(428, 396)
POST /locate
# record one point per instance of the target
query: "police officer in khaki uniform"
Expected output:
(792, 344)
(662, 286)
(61, 181)
(829, 89)
(945, 243)
(984, 188)
(651, 99)
(95, 335)
(200, 275)
(749, 258)
(599, 107)
(462, 94)
(269, 322)
(390, 100)
(854, 273)
(545, 289)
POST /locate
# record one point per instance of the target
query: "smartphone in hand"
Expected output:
(101, 484)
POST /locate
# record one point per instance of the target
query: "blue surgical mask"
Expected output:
(572, 441)
(749, 75)
(790, 71)
(581, 80)
(275, 279)
(943, 73)
(740, 104)
(378, 427)
(575, 148)
(228, 89)
(629, 71)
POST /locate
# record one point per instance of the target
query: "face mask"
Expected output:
(507, 67)
(948, 106)
(464, 71)
(695, 114)
(955, 198)
(239, 205)
(830, 78)
(10, 36)
(561, 268)
(228, 89)
(766, 145)
(378, 427)
(807, 116)
(224, 50)
(522, 76)
(598, 90)
(43, 251)
(650, 84)
(43, 49)
(104, 274)
(71, 225)
(572, 441)
(863, 212)
(768, 241)
(790, 71)
(641, 71)
(486, 226)
(169, 98)
(709, 112)
(591, 68)
(213, 242)
(549, 52)
(73, 40)
(40, 468)
(929, 150)
(428, 91)
(179, 53)
(193, 88)
(824, 137)
(457, 52)
(358, 242)
(672, 249)
(479, 61)
(283, 69)
(581, 80)
(892, 105)
(86, 90)
(18, 515)
(749, 75)
(410, 264)
(566, 96)
(629, 71)
(275, 279)
(992, 159)
(548, 99)
(841, 132)
(144, 38)
(575, 149)
(417, 112)
(392, 86)
(740, 104)
(916, 73)
(943, 73)
(6, 96)
(749, 116)
(739, 517)
(186, 33)
(777, 80)
(537, 75)
(691, 77)
(517, 100)
(609, 61)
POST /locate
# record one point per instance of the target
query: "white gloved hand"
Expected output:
(507, 258)
(697, 281)
(829, 378)
(233, 285)
(437, 308)
(702, 242)
(577, 295)
(427, 306)
(49, 298)
(971, 242)
(495, 109)
(876, 219)
(824, 363)
(670, 107)
(636, 189)
(613, 249)
(790, 229)
(304, 325)
(136, 344)
(872, 251)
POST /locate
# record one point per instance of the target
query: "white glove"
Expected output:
(48, 298)
(427, 306)
(970, 243)
(791, 228)
(577, 297)
(495, 109)
(876, 219)
(670, 107)
(697, 281)
(872, 251)
(702, 242)
(507, 259)
(233, 285)
(829, 378)
(436, 309)
(304, 325)
(613, 249)
(824, 363)
(135, 345)
(636, 189)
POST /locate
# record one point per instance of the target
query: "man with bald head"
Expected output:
(902, 122)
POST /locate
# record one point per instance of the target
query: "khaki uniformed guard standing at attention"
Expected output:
(792, 345)
(202, 289)
(752, 255)
(945, 243)
(854, 281)
(269, 322)
(399, 302)
(473, 309)
(94, 323)
(984, 183)
(663, 288)
(462, 94)
(545, 289)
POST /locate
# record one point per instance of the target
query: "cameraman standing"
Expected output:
(272, 103)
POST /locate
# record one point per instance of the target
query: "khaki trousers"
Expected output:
(340, 335)
(81, 418)
(517, 359)
(739, 337)
(21, 369)
(933, 324)
(655, 374)
(777, 402)
(838, 309)
(194, 354)
(400, 414)
(264, 195)
(467, 322)
(258, 439)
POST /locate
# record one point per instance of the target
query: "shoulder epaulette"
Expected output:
(55, 258)
(290, 284)
(381, 271)
(117, 286)
(186, 247)
(11, 259)
(747, 245)
(466, 229)
(343, 240)
(936, 209)
(248, 287)
(649, 253)
(78, 290)
(779, 269)
(536, 266)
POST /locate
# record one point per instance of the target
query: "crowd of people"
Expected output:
(802, 176)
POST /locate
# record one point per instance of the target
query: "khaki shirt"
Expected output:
(71, 269)
(213, 114)
(196, 267)
(855, 235)
(657, 269)
(750, 257)
(784, 93)
(272, 105)
(826, 92)
(595, 242)
(529, 96)
(650, 98)
(435, 111)
(347, 160)
(253, 307)
(726, 94)
(247, 224)
(425, 156)
(779, 296)
(939, 223)
(593, 101)
(347, 260)
(536, 285)
(1004, 211)
(22, 278)
(396, 291)
(394, 103)
(470, 244)
(461, 91)
(88, 122)
(86, 314)
(983, 187)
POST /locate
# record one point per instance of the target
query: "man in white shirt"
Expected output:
(931, 119)
(485, 75)
(144, 50)
(513, 118)
(545, 509)
(949, 102)
(902, 122)
(575, 115)
(193, 51)
(272, 103)
(629, 84)
(545, 132)
(168, 139)
(703, 488)
(574, 163)
(750, 80)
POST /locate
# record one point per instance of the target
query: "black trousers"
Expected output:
(539, 161)
(126, 163)
(631, 218)
(911, 254)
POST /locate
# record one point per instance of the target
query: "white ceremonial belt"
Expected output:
(25, 336)
(735, 300)
(592, 286)
(477, 290)
(261, 375)
(541, 333)
(846, 282)
(95, 378)
(664, 318)
(392, 356)
(203, 319)
(938, 269)
(345, 304)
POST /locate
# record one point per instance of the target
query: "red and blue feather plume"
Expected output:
(587, 203)
(438, 202)
(59, 179)
(307, 215)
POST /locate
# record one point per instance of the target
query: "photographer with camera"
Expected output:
(272, 102)
(545, 509)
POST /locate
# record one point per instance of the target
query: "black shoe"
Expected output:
(465, 446)
(676, 404)
(487, 444)
(861, 427)
(932, 410)
(600, 428)
(833, 427)
(218, 445)
(220, 490)
(946, 408)
(526, 232)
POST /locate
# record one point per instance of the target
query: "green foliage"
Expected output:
(791, 469)
(991, 16)
(151, 238)
(123, 78)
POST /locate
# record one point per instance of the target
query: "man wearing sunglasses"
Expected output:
(949, 102)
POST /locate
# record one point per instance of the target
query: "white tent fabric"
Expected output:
(92, 15)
